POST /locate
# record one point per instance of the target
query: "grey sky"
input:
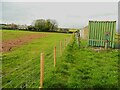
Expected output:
(75, 15)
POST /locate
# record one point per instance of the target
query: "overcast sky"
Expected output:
(75, 15)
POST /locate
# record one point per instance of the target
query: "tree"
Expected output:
(45, 25)
(40, 25)
(31, 28)
(53, 25)
(13, 26)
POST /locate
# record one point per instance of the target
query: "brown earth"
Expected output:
(10, 44)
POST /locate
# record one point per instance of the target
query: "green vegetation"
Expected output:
(13, 34)
(85, 68)
(45, 25)
(8, 26)
(21, 66)
(76, 68)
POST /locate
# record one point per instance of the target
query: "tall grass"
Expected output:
(84, 68)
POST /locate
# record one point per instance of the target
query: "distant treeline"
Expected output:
(9, 26)
(37, 25)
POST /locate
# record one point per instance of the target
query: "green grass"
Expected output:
(22, 65)
(84, 68)
(76, 68)
(14, 34)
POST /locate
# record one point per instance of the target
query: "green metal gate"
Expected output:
(100, 32)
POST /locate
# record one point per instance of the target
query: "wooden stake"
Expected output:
(60, 47)
(41, 70)
(73, 34)
(54, 56)
(79, 40)
(65, 43)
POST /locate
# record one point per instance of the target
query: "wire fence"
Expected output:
(28, 75)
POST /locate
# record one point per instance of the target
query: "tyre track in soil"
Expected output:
(7, 46)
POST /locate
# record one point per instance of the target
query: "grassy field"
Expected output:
(85, 68)
(13, 34)
(22, 66)
(76, 68)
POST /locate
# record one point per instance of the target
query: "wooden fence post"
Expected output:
(67, 41)
(64, 43)
(78, 39)
(73, 34)
(41, 70)
(60, 47)
(54, 56)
